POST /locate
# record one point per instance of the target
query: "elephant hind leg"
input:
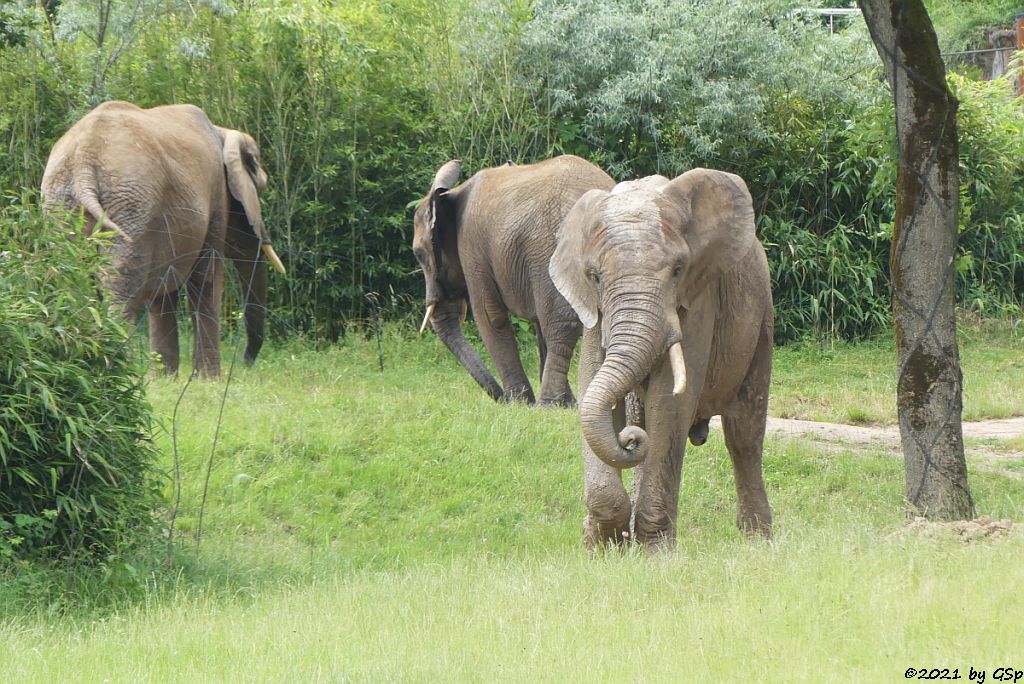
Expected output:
(743, 426)
(560, 338)
(205, 285)
(163, 330)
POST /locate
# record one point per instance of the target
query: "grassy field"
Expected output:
(856, 383)
(362, 525)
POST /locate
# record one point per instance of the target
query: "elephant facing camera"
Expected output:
(674, 290)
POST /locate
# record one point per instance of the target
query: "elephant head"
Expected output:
(246, 234)
(630, 260)
(435, 245)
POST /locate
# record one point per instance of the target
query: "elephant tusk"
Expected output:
(426, 319)
(465, 308)
(273, 258)
(675, 357)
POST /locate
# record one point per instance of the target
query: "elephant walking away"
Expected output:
(486, 243)
(673, 289)
(180, 194)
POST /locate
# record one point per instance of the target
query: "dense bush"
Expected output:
(356, 105)
(77, 470)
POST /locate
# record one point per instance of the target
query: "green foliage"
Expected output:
(991, 263)
(77, 470)
(356, 105)
(665, 86)
(961, 24)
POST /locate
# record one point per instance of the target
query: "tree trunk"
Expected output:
(928, 393)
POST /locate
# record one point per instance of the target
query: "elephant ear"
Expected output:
(567, 268)
(439, 218)
(715, 217)
(245, 177)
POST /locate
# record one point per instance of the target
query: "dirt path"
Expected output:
(842, 436)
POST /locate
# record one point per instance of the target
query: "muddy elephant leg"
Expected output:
(608, 505)
(205, 286)
(667, 419)
(163, 330)
(495, 327)
(743, 426)
(560, 338)
(656, 483)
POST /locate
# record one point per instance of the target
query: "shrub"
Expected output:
(78, 474)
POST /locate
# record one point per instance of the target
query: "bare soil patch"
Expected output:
(979, 529)
(840, 436)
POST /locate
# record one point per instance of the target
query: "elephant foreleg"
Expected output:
(608, 504)
(495, 327)
(667, 419)
(163, 330)
(656, 483)
(205, 286)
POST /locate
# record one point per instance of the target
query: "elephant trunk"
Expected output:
(243, 248)
(256, 313)
(446, 318)
(634, 328)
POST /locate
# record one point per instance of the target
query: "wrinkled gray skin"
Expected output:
(488, 241)
(650, 264)
(180, 194)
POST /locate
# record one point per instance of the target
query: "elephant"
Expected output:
(488, 242)
(673, 289)
(179, 194)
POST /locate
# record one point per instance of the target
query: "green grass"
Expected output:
(400, 526)
(856, 382)
(811, 607)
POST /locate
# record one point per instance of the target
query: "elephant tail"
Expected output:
(85, 192)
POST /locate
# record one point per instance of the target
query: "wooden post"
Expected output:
(1020, 46)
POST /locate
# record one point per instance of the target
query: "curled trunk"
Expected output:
(631, 354)
(447, 323)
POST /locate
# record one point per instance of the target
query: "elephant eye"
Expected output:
(594, 277)
(677, 270)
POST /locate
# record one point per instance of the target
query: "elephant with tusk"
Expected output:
(180, 194)
(673, 288)
(485, 245)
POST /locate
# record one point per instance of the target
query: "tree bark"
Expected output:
(929, 388)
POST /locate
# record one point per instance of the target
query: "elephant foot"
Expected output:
(754, 526)
(699, 432)
(659, 544)
(654, 529)
(561, 401)
(598, 535)
(523, 393)
(657, 541)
